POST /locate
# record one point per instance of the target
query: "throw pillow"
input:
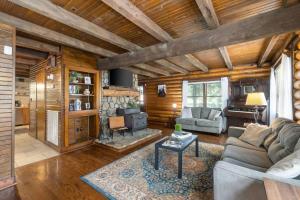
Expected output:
(205, 113)
(288, 167)
(276, 126)
(214, 114)
(186, 113)
(196, 112)
(255, 134)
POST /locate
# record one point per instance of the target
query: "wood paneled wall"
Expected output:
(53, 91)
(32, 97)
(160, 109)
(296, 79)
(7, 105)
(77, 58)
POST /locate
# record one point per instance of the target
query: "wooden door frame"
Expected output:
(43, 72)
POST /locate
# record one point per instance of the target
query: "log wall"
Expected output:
(296, 78)
(7, 105)
(160, 109)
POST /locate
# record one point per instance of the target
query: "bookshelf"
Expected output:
(82, 93)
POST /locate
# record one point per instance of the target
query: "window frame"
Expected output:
(204, 92)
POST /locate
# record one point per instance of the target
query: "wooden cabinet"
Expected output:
(81, 121)
(78, 130)
(22, 116)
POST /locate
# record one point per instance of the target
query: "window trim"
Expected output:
(205, 95)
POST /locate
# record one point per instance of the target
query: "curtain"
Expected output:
(185, 88)
(273, 97)
(284, 88)
(225, 94)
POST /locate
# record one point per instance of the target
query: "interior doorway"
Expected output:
(30, 130)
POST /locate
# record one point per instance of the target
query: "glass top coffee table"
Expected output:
(179, 150)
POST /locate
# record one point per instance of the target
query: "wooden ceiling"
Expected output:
(175, 18)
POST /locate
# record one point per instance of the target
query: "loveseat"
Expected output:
(199, 121)
(240, 173)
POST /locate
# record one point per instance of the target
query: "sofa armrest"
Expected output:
(234, 131)
(233, 182)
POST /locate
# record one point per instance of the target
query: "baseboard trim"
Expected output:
(8, 182)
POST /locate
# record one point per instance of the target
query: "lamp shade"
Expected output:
(256, 99)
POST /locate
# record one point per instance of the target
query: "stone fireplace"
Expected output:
(109, 104)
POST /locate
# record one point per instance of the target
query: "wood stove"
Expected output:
(134, 118)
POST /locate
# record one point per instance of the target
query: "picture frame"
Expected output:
(161, 90)
(87, 80)
(87, 106)
(248, 89)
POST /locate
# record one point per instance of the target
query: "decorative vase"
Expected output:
(178, 127)
(86, 92)
(77, 105)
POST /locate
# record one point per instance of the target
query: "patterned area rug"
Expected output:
(134, 176)
(120, 141)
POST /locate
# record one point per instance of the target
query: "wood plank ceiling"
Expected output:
(157, 21)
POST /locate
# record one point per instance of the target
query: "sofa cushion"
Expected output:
(285, 142)
(207, 123)
(243, 164)
(237, 142)
(276, 126)
(196, 112)
(249, 156)
(255, 134)
(288, 167)
(205, 113)
(186, 121)
(297, 146)
(186, 113)
(214, 114)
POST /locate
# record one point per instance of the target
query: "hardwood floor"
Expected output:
(59, 177)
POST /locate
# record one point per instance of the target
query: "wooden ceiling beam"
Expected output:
(197, 63)
(171, 66)
(140, 72)
(48, 34)
(26, 61)
(22, 66)
(52, 11)
(284, 46)
(208, 12)
(36, 45)
(136, 16)
(153, 69)
(226, 57)
(57, 13)
(264, 25)
(264, 56)
(31, 54)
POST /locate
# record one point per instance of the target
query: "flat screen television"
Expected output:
(121, 78)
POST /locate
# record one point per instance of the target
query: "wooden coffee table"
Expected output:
(158, 145)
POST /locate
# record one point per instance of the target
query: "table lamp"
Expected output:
(256, 99)
(174, 106)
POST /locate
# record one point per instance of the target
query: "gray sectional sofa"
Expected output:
(240, 174)
(200, 121)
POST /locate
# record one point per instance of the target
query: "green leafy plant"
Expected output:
(132, 104)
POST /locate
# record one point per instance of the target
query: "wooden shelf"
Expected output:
(116, 93)
(83, 124)
(82, 95)
(82, 113)
(81, 84)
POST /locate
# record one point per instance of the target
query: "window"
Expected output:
(141, 97)
(204, 94)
